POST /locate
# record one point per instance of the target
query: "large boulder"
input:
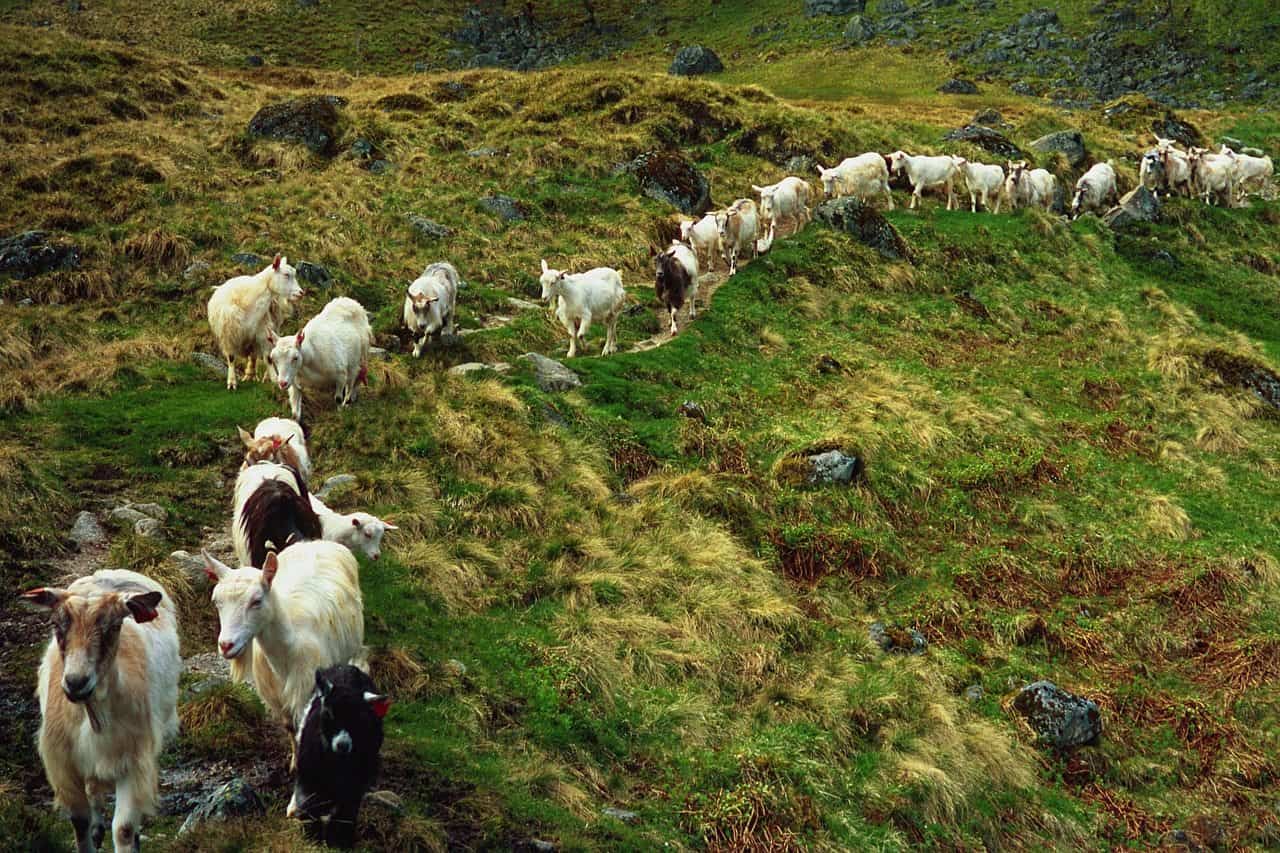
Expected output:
(859, 30)
(866, 224)
(1069, 142)
(550, 374)
(1060, 718)
(668, 176)
(311, 121)
(1139, 205)
(986, 138)
(31, 253)
(695, 59)
(813, 8)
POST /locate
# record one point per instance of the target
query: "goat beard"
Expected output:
(94, 722)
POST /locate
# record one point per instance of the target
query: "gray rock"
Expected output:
(427, 228)
(419, 67)
(551, 375)
(892, 7)
(669, 177)
(86, 531)
(148, 527)
(32, 253)
(127, 515)
(859, 30)
(958, 86)
(1138, 205)
(311, 121)
(504, 207)
(814, 8)
(537, 845)
(26, 302)
(1037, 19)
(1183, 132)
(1068, 142)
(477, 367)
(897, 641)
(156, 511)
(388, 800)
(192, 566)
(213, 666)
(693, 411)
(974, 693)
(987, 139)
(1022, 87)
(834, 468)
(865, 224)
(695, 59)
(257, 263)
(363, 149)
(1061, 719)
(989, 117)
(234, 799)
(620, 814)
(378, 352)
(381, 167)
(211, 363)
(316, 275)
(254, 60)
(522, 304)
(336, 483)
(196, 269)
(484, 151)
(800, 164)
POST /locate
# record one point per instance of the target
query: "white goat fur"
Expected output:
(430, 303)
(243, 309)
(788, 200)
(863, 177)
(982, 180)
(925, 171)
(739, 225)
(704, 236)
(1095, 189)
(331, 353)
(583, 297)
(356, 530)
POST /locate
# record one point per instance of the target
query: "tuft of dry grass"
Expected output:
(1166, 519)
(158, 248)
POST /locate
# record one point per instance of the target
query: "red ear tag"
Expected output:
(380, 707)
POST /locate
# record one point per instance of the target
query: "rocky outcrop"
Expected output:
(667, 176)
(32, 253)
(1061, 719)
(311, 121)
(1139, 205)
(865, 224)
(986, 138)
(694, 60)
(958, 86)
(1070, 143)
(814, 8)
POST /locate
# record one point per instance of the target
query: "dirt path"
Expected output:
(708, 284)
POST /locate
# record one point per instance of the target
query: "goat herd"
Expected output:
(108, 683)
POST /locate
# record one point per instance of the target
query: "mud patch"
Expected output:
(1246, 375)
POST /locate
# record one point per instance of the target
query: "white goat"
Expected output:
(300, 612)
(1213, 175)
(331, 353)
(108, 690)
(243, 309)
(788, 200)
(1248, 171)
(1095, 190)
(1151, 173)
(1177, 168)
(278, 440)
(357, 530)
(924, 172)
(704, 236)
(982, 180)
(430, 304)
(1027, 187)
(583, 297)
(863, 177)
(739, 226)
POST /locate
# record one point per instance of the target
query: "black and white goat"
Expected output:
(339, 737)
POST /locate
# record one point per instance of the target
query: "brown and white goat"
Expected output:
(108, 690)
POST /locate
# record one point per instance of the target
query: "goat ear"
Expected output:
(213, 568)
(544, 265)
(323, 685)
(269, 567)
(44, 597)
(275, 265)
(389, 525)
(379, 702)
(244, 436)
(288, 438)
(143, 607)
(355, 522)
(298, 339)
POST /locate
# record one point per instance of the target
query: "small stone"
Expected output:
(419, 67)
(974, 693)
(31, 253)
(316, 275)
(156, 511)
(378, 352)
(381, 167)
(522, 304)
(814, 8)
(504, 207)
(1061, 718)
(257, 263)
(989, 118)
(834, 468)
(426, 228)
(892, 7)
(213, 666)
(859, 30)
(86, 531)
(253, 60)
(620, 814)
(148, 527)
(539, 846)
(484, 151)
(195, 269)
(386, 799)
(695, 59)
(829, 364)
(895, 640)
(469, 367)
(362, 148)
(551, 375)
(127, 515)
(192, 566)
(211, 363)
(800, 164)
(234, 799)
(958, 86)
(338, 482)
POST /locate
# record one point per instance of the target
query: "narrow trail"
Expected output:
(708, 284)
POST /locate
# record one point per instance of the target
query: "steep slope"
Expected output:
(595, 601)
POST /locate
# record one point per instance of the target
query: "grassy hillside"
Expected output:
(596, 602)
